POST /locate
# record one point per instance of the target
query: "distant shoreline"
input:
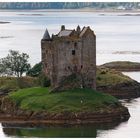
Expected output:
(71, 10)
(4, 22)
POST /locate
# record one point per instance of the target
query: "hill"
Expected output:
(70, 5)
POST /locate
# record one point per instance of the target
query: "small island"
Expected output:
(72, 97)
(34, 106)
(125, 66)
(117, 84)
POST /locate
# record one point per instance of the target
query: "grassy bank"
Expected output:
(106, 76)
(14, 83)
(77, 100)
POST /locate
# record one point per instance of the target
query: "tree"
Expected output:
(15, 64)
(3, 67)
(35, 71)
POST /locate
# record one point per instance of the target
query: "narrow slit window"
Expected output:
(73, 52)
(75, 44)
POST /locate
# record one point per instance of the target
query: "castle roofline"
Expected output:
(78, 33)
(46, 35)
(65, 32)
(84, 31)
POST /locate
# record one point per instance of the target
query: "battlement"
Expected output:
(67, 33)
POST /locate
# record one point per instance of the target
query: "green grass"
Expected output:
(39, 99)
(106, 77)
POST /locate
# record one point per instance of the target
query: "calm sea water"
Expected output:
(117, 39)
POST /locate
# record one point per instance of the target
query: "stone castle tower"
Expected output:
(70, 52)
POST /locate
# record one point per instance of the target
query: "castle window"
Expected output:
(73, 52)
(75, 44)
(81, 66)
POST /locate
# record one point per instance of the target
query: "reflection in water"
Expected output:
(1, 132)
(57, 131)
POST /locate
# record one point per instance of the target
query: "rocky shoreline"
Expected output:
(13, 116)
(115, 83)
(43, 118)
(126, 90)
(71, 119)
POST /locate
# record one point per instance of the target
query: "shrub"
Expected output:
(44, 80)
(103, 72)
(35, 71)
(26, 82)
(98, 78)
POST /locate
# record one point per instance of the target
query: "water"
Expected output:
(114, 32)
(117, 39)
(129, 129)
(133, 75)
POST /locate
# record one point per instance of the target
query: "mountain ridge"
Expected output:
(70, 5)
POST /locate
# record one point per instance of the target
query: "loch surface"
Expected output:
(117, 35)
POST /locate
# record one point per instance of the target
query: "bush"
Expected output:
(8, 83)
(26, 82)
(103, 72)
(44, 80)
(98, 78)
(35, 71)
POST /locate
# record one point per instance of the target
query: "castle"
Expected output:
(70, 52)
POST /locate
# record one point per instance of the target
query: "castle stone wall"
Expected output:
(64, 56)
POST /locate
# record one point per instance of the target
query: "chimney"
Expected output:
(78, 29)
(62, 27)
